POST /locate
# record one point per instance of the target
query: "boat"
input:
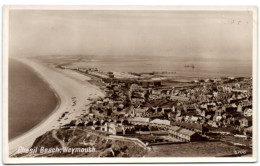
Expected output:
(192, 66)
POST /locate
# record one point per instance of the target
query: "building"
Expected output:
(184, 134)
(139, 111)
(245, 122)
(110, 75)
(160, 123)
(239, 108)
(117, 129)
(191, 126)
(140, 121)
(137, 101)
(179, 98)
(173, 131)
(248, 112)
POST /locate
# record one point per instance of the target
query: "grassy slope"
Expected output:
(194, 149)
(104, 146)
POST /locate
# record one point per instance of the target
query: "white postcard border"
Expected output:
(9, 160)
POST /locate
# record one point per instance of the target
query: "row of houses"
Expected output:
(185, 132)
(180, 130)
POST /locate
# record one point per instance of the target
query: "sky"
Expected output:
(187, 34)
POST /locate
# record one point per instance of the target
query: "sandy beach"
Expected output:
(73, 92)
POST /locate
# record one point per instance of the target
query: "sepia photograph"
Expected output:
(106, 84)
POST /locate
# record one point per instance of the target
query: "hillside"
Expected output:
(81, 143)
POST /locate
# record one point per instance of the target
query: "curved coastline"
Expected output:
(35, 126)
(13, 148)
(64, 88)
(55, 93)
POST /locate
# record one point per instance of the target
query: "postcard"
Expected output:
(129, 84)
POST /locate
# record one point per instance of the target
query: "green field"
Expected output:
(195, 149)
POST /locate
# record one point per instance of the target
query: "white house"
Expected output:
(248, 112)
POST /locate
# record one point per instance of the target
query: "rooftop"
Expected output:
(186, 132)
(162, 122)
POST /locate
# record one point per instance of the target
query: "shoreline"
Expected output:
(62, 87)
(58, 99)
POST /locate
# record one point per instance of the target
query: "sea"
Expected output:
(30, 99)
(201, 67)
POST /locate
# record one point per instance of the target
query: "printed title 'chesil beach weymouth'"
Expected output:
(43, 150)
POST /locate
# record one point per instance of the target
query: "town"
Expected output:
(155, 109)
